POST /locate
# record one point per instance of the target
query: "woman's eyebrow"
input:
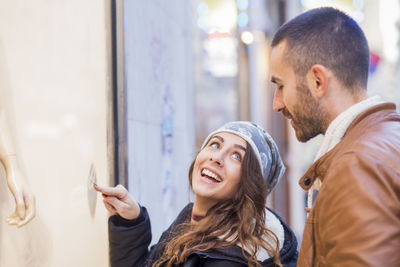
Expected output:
(218, 137)
(222, 140)
(240, 147)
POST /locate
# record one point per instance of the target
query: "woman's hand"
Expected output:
(118, 201)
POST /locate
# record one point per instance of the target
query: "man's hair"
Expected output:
(328, 37)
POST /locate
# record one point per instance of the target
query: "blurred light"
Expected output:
(247, 37)
(242, 19)
(345, 6)
(389, 12)
(358, 16)
(352, 8)
(242, 4)
(221, 16)
(202, 8)
(358, 4)
(374, 61)
(219, 34)
(221, 59)
(212, 30)
(201, 23)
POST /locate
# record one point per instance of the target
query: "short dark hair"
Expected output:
(328, 37)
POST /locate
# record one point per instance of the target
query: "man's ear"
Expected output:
(317, 78)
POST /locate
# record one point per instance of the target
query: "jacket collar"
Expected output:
(318, 168)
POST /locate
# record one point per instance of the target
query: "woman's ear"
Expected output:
(317, 78)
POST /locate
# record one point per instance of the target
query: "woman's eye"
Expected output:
(237, 156)
(214, 145)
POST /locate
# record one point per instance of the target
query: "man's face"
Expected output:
(293, 98)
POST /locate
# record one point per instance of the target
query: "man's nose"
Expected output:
(278, 104)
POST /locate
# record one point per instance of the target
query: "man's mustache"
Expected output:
(286, 113)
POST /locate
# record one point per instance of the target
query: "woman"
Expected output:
(227, 224)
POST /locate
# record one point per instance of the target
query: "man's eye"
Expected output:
(237, 156)
(214, 145)
(280, 87)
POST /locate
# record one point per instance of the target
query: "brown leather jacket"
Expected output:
(355, 220)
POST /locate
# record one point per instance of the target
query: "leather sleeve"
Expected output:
(358, 214)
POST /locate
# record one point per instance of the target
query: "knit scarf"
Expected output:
(335, 132)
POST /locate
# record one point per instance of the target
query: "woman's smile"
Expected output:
(210, 176)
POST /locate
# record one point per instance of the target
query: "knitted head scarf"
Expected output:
(263, 145)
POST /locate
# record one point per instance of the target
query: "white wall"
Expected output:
(54, 77)
(160, 105)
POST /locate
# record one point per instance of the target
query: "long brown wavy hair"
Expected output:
(237, 221)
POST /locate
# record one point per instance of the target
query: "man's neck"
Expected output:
(340, 102)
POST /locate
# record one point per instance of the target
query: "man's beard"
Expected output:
(308, 117)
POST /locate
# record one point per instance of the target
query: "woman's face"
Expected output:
(217, 168)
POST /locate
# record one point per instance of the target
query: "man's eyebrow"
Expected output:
(275, 79)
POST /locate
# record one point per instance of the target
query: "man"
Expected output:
(320, 63)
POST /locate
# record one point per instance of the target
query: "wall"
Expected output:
(160, 105)
(54, 80)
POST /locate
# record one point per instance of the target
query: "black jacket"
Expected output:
(129, 241)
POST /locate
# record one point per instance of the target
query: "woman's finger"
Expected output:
(119, 191)
(110, 208)
(114, 202)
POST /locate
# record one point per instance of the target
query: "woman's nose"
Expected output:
(217, 157)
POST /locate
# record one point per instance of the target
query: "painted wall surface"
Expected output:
(54, 78)
(160, 105)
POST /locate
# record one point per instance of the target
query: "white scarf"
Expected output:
(335, 132)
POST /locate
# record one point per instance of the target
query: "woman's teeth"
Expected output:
(211, 175)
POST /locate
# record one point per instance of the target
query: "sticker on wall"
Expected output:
(92, 196)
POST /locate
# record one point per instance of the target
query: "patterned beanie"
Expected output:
(263, 145)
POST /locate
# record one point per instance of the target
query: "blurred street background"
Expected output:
(214, 56)
(125, 91)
